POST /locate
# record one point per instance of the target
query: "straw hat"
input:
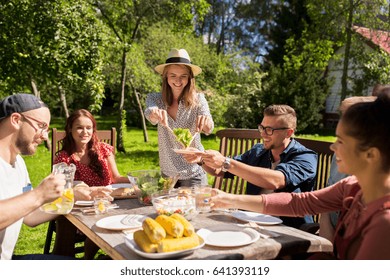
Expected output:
(176, 56)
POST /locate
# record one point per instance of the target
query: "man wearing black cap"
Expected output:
(24, 122)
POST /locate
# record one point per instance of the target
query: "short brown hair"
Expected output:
(288, 114)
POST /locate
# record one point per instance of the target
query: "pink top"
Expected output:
(84, 172)
(364, 230)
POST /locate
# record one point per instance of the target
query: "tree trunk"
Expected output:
(120, 147)
(36, 92)
(141, 111)
(344, 77)
(221, 39)
(62, 94)
(34, 88)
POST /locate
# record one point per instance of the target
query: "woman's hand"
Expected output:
(88, 193)
(222, 200)
(159, 116)
(203, 123)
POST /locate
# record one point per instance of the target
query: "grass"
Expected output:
(139, 155)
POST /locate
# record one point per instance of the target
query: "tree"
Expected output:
(52, 45)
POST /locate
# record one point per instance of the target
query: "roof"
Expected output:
(378, 37)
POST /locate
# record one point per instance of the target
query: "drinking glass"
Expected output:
(202, 198)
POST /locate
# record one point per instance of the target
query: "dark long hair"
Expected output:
(369, 123)
(69, 146)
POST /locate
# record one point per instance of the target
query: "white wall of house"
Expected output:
(335, 71)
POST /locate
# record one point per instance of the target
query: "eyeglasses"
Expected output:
(269, 130)
(42, 126)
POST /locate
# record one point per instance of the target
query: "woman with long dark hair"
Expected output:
(94, 160)
(361, 149)
(95, 166)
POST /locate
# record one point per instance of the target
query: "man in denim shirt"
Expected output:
(285, 164)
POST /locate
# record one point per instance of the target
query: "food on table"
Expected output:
(168, 243)
(177, 201)
(122, 192)
(166, 183)
(183, 135)
(142, 240)
(188, 227)
(171, 244)
(148, 188)
(172, 227)
(145, 192)
(153, 230)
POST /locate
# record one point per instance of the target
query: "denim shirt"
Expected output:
(297, 163)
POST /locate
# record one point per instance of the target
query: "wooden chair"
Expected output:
(236, 141)
(106, 136)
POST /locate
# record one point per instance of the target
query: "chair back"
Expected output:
(236, 141)
(322, 148)
(106, 136)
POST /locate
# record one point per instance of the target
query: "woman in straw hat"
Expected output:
(179, 105)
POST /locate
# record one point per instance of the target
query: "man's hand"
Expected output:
(195, 157)
(51, 188)
(213, 159)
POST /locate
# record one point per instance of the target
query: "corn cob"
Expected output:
(142, 240)
(171, 226)
(188, 227)
(153, 230)
(170, 244)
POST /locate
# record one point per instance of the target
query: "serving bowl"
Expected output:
(148, 182)
(175, 201)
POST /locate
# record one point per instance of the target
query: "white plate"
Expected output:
(118, 186)
(228, 235)
(84, 203)
(129, 241)
(115, 222)
(256, 217)
(188, 152)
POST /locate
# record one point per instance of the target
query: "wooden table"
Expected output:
(291, 240)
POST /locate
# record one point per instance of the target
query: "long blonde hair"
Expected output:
(188, 95)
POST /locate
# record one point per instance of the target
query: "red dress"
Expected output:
(84, 172)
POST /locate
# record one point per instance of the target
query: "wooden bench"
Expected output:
(234, 141)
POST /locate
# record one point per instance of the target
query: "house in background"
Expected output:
(374, 39)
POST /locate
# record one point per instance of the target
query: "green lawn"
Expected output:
(139, 155)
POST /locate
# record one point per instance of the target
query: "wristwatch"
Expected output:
(226, 164)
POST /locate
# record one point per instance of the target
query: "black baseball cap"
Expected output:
(19, 103)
